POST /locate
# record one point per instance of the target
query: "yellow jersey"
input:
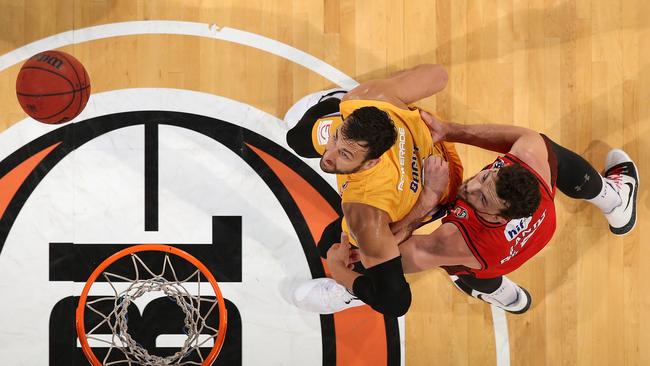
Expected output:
(394, 184)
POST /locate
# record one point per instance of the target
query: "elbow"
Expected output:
(395, 303)
(434, 76)
(400, 306)
(389, 299)
(440, 78)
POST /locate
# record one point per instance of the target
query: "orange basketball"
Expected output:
(53, 87)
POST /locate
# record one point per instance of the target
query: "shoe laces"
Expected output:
(615, 176)
(616, 181)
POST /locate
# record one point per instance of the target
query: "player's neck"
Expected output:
(494, 219)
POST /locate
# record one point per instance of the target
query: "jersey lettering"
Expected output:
(524, 236)
(415, 171)
(402, 153)
(515, 227)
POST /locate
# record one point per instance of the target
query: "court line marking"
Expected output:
(235, 36)
(501, 341)
(179, 28)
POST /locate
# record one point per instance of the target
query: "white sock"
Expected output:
(506, 294)
(608, 198)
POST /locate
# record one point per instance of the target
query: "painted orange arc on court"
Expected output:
(359, 331)
(11, 182)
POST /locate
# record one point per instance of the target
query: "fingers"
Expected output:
(435, 161)
(438, 161)
(435, 127)
(353, 258)
(427, 118)
(342, 248)
(435, 173)
(354, 255)
(344, 238)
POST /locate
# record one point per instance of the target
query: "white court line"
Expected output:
(235, 36)
(179, 28)
(501, 341)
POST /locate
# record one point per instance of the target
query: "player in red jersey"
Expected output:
(505, 213)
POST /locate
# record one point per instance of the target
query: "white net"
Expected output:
(112, 312)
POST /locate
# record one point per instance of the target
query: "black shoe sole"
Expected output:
(468, 290)
(528, 304)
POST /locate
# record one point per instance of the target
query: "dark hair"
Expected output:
(520, 189)
(372, 125)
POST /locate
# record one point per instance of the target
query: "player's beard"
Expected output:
(333, 170)
(462, 193)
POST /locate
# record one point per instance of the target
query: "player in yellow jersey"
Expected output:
(376, 142)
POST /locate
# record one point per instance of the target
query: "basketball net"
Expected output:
(205, 314)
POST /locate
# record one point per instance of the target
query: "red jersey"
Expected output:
(502, 248)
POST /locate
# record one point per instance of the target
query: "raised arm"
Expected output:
(383, 285)
(445, 246)
(524, 143)
(403, 88)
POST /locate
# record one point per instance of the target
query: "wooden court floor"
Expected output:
(576, 70)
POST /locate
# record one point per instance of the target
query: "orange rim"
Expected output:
(223, 316)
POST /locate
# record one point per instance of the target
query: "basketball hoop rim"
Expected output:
(81, 307)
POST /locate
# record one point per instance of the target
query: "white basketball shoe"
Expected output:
(622, 175)
(323, 296)
(298, 110)
(509, 296)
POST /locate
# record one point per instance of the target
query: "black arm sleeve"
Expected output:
(299, 137)
(384, 288)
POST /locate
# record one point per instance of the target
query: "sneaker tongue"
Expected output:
(617, 169)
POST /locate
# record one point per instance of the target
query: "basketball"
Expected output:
(53, 87)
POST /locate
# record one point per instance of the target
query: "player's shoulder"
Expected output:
(382, 182)
(363, 215)
(532, 150)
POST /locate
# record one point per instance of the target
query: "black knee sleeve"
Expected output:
(575, 176)
(299, 137)
(384, 288)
